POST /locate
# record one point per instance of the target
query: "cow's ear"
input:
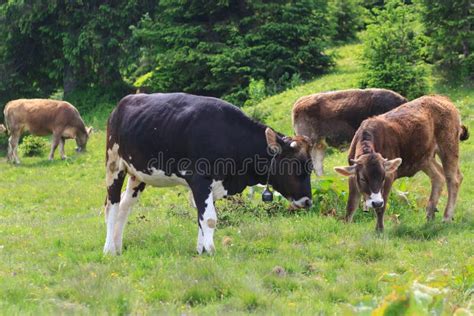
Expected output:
(272, 138)
(346, 171)
(392, 165)
(89, 130)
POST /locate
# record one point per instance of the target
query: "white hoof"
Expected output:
(209, 244)
(205, 245)
(200, 248)
(448, 219)
(109, 249)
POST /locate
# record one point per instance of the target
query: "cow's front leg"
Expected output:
(380, 211)
(115, 178)
(54, 144)
(207, 217)
(353, 200)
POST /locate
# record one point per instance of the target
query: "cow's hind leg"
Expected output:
(317, 155)
(207, 217)
(433, 170)
(449, 154)
(128, 199)
(13, 140)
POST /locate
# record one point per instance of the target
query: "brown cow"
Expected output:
(43, 117)
(400, 143)
(333, 117)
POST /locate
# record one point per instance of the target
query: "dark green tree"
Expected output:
(65, 44)
(449, 26)
(347, 17)
(216, 47)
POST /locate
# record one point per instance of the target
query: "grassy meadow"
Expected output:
(268, 260)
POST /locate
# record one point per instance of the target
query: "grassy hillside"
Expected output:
(268, 261)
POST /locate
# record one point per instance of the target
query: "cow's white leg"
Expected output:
(200, 240)
(111, 215)
(128, 199)
(207, 217)
(207, 226)
(115, 176)
(317, 155)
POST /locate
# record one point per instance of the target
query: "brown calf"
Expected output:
(43, 117)
(333, 117)
(400, 143)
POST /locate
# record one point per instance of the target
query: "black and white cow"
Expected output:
(200, 142)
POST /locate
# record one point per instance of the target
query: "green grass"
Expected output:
(268, 260)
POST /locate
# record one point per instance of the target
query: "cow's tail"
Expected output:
(464, 135)
(5, 119)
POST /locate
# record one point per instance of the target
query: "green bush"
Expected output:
(393, 51)
(32, 146)
(257, 92)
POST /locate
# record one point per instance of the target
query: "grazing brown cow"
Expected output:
(43, 117)
(333, 117)
(400, 143)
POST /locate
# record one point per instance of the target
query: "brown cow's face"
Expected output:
(292, 168)
(81, 140)
(371, 171)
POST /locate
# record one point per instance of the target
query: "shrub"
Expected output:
(393, 51)
(257, 92)
(32, 146)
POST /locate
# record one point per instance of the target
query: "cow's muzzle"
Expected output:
(304, 202)
(375, 200)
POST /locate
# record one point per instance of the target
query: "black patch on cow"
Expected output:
(139, 188)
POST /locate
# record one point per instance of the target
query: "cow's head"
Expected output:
(82, 138)
(291, 168)
(370, 171)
